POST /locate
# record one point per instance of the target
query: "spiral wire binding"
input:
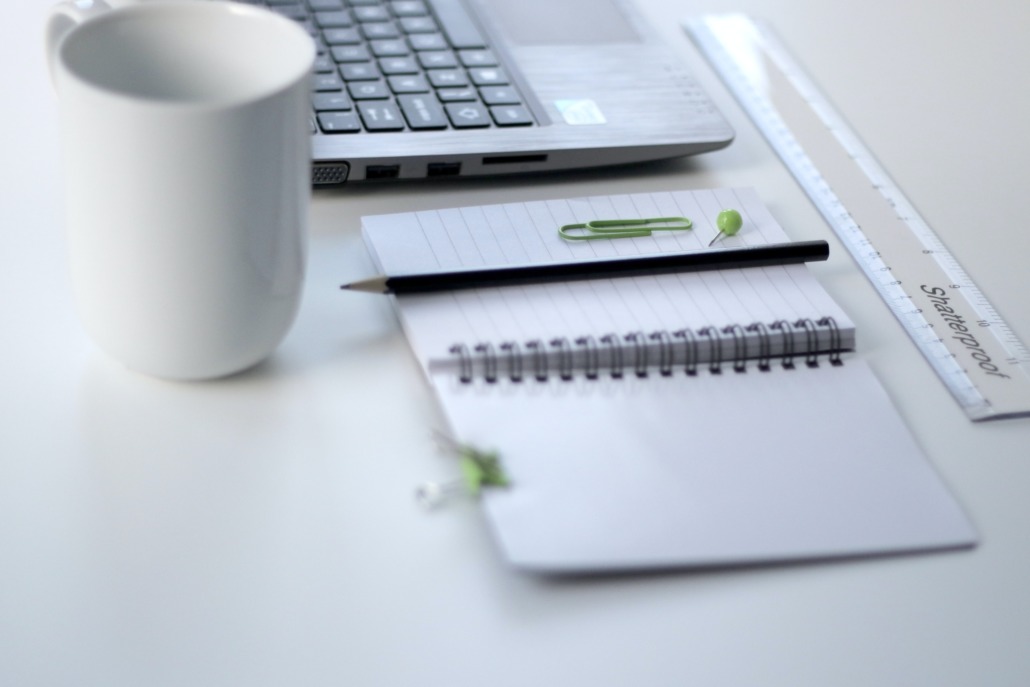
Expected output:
(811, 339)
(739, 346)
(690, 350)
(564, 357)
(514, 355)
(538, 354)
(765, 346)
(486, 351)
(639, 352)
(464, 361)
(788, 342)
(664, 352)
(715, 359)
(612, 342)
(835, 339)
(592, 356)
(634, 345)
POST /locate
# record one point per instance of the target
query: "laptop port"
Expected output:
(382, 171)
(325, 173)
(443, 169)
(514, 159)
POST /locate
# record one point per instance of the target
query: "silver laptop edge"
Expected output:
(604, 91)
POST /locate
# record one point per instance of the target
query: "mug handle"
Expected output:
(65, 17)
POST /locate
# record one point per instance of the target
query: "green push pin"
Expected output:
(729, 223)
(479, 470)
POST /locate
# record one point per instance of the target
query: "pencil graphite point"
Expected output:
(373, 285)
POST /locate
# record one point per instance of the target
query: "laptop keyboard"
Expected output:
(402, 65)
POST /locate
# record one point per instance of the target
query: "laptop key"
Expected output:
(291, 11)
(418, 25)
(511, 115)
(408, 8)
(342, 36)
(381, 116)
(456, 95)
(327, 5)
(359, 71)
(327, 82)
(488, 76)
(330, 102)
(350, 53)
(389, 48)
(370, 13)
(427, 41)
(500, 95)
(398, 65)
(422, 112)
(408, 83)
(478, 58)
(457, 24)
(339, 122)
(333, 19)
(324, 64)
(437, 59)
(379, 31)
(368, 90)
(447, 78)
(467, 115)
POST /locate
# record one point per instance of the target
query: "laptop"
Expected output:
(410, 89)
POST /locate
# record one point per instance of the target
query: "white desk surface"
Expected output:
(261, 530)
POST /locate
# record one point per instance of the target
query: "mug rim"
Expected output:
(287, 26)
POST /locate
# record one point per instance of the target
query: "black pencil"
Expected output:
(605, 268)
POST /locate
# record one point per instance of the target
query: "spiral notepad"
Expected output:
(696, 419)
(641, 353)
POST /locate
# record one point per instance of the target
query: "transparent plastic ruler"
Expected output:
(973, 351)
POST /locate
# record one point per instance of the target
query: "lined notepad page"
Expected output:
(520, 233)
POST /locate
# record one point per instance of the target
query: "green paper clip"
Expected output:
(622, 228)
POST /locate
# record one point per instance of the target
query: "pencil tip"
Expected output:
(374, 285)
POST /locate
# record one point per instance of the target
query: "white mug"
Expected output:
(187, 177)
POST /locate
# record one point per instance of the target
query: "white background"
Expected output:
(261, 530)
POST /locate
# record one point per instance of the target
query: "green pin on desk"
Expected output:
(728, 222)
(480, 469)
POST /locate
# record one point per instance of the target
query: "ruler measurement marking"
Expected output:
(972, 350)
